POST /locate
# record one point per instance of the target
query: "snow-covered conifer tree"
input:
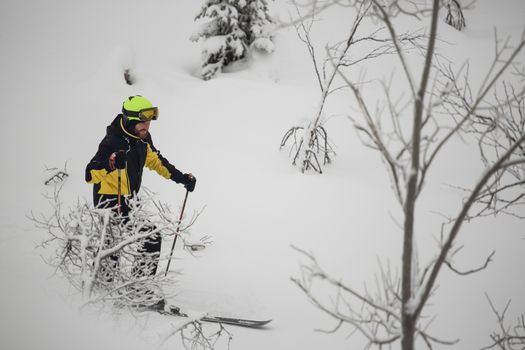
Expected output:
(258, 25)
(454, 16)
(232, 27)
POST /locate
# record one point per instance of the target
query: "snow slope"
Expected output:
(61, 84)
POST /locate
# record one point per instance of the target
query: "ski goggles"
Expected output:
(144, 115)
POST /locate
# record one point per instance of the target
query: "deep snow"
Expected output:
(61, 84)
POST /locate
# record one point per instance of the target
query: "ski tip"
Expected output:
(238, 322)
(264, 323)
(253, 323)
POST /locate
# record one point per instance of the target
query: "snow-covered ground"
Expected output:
(61, 84)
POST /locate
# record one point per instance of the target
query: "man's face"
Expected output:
(142, 129)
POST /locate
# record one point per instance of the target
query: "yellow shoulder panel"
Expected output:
(153, 162)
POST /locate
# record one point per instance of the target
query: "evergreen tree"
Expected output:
(232, 27)
(455, 16)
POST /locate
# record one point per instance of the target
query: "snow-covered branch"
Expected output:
(102, 254)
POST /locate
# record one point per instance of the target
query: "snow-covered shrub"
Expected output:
(309, 144)
(102, 256)
(229, 29)
(100, 252)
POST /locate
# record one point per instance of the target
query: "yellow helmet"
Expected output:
(139, 108)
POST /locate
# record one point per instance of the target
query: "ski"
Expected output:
(175, 311)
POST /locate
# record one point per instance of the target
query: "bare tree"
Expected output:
(311, 142)
(410, 131)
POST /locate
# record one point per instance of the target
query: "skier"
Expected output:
(116, 169)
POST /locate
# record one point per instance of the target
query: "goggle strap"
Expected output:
(130, 114)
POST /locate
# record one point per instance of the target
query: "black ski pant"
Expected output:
(144, 265)
(148, 262)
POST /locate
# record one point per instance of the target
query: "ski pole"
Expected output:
(177, 232)
(119, 190)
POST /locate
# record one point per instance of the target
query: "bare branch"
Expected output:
(471, 271)
(460, 219)
(508, 337)
(386, 19)
(378, 317)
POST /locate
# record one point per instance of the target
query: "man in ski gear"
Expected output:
(116, 169)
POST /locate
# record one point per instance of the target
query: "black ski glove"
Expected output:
(120, 159)
(189, 182)
(117, 160)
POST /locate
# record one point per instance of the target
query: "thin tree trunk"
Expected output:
(408, 319)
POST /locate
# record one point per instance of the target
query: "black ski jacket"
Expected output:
(139, 153)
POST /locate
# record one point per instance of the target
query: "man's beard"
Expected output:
(142, 133)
